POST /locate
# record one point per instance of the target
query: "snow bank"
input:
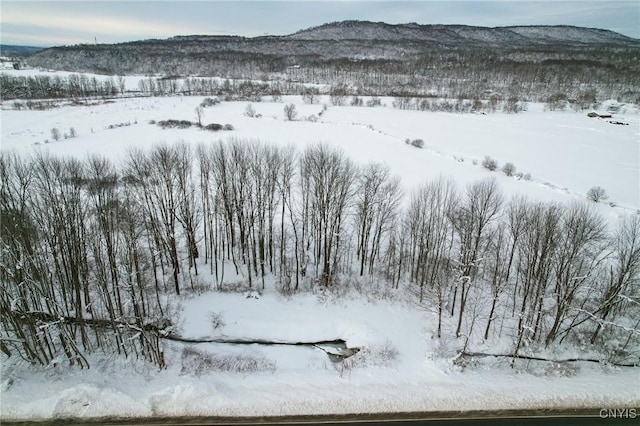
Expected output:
(305, 381)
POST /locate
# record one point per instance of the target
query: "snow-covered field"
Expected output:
(566, 153)
(404, 368)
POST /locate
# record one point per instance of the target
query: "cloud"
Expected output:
(65, 21)
(97, 24)
(68, 22)
(27, 38)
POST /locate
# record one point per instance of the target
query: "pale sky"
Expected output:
(56, 22)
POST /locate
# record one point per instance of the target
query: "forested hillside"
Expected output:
(531, 63)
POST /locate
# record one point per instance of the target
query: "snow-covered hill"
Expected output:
(461, 34)
(409, 45)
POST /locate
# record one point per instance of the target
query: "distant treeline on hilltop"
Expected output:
(8, 50)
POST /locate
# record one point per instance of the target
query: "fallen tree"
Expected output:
(163, 329)
(537, 358)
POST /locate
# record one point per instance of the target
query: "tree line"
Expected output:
(79, 86)
(93, 251)
(380, 68)
(533, 75)
(56, 87)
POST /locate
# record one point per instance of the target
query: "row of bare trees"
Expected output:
(92, 251)
(58, 86)
(539, 272)
(74, 262)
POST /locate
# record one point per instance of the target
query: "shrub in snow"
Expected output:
(213, 127)
(527, 176)
(276, 95)
(290, 112)
(557, 101)
(338, 94)
(197, 363)
(513, 105)
(586, 99)
(207, 102)
(489, 163)
(418, 143)
(383, 355)
(228, 127)
(310, 95)
(55, 134)
(180, 124)
(597, 194)
(561, 369)
(72, 132)
(41, 105)
(249, 111)
(374, 102)
(216, 320)
(252, 294)
(234, 287)
(115, 126)
(509, 169)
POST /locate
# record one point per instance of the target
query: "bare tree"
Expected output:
(503, 245)
(509, 169)
(481, 205)
(489, 163)
(377, 199)
(310, 95)
(290, 112)
(199, 112)
(430, 239)
(187, 213)
(536, 251)
(623, 275)
(121, 83)
(156, 176)
(597, 194)
(329, 176)
(579, 251)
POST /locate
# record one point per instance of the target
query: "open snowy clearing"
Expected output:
(402, 367)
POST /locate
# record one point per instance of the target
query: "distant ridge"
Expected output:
(16, 50)
(447, 34)
(403, 47)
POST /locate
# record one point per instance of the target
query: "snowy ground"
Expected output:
(565, 152)
(302, 380)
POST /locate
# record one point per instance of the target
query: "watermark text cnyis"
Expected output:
(618, 413)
